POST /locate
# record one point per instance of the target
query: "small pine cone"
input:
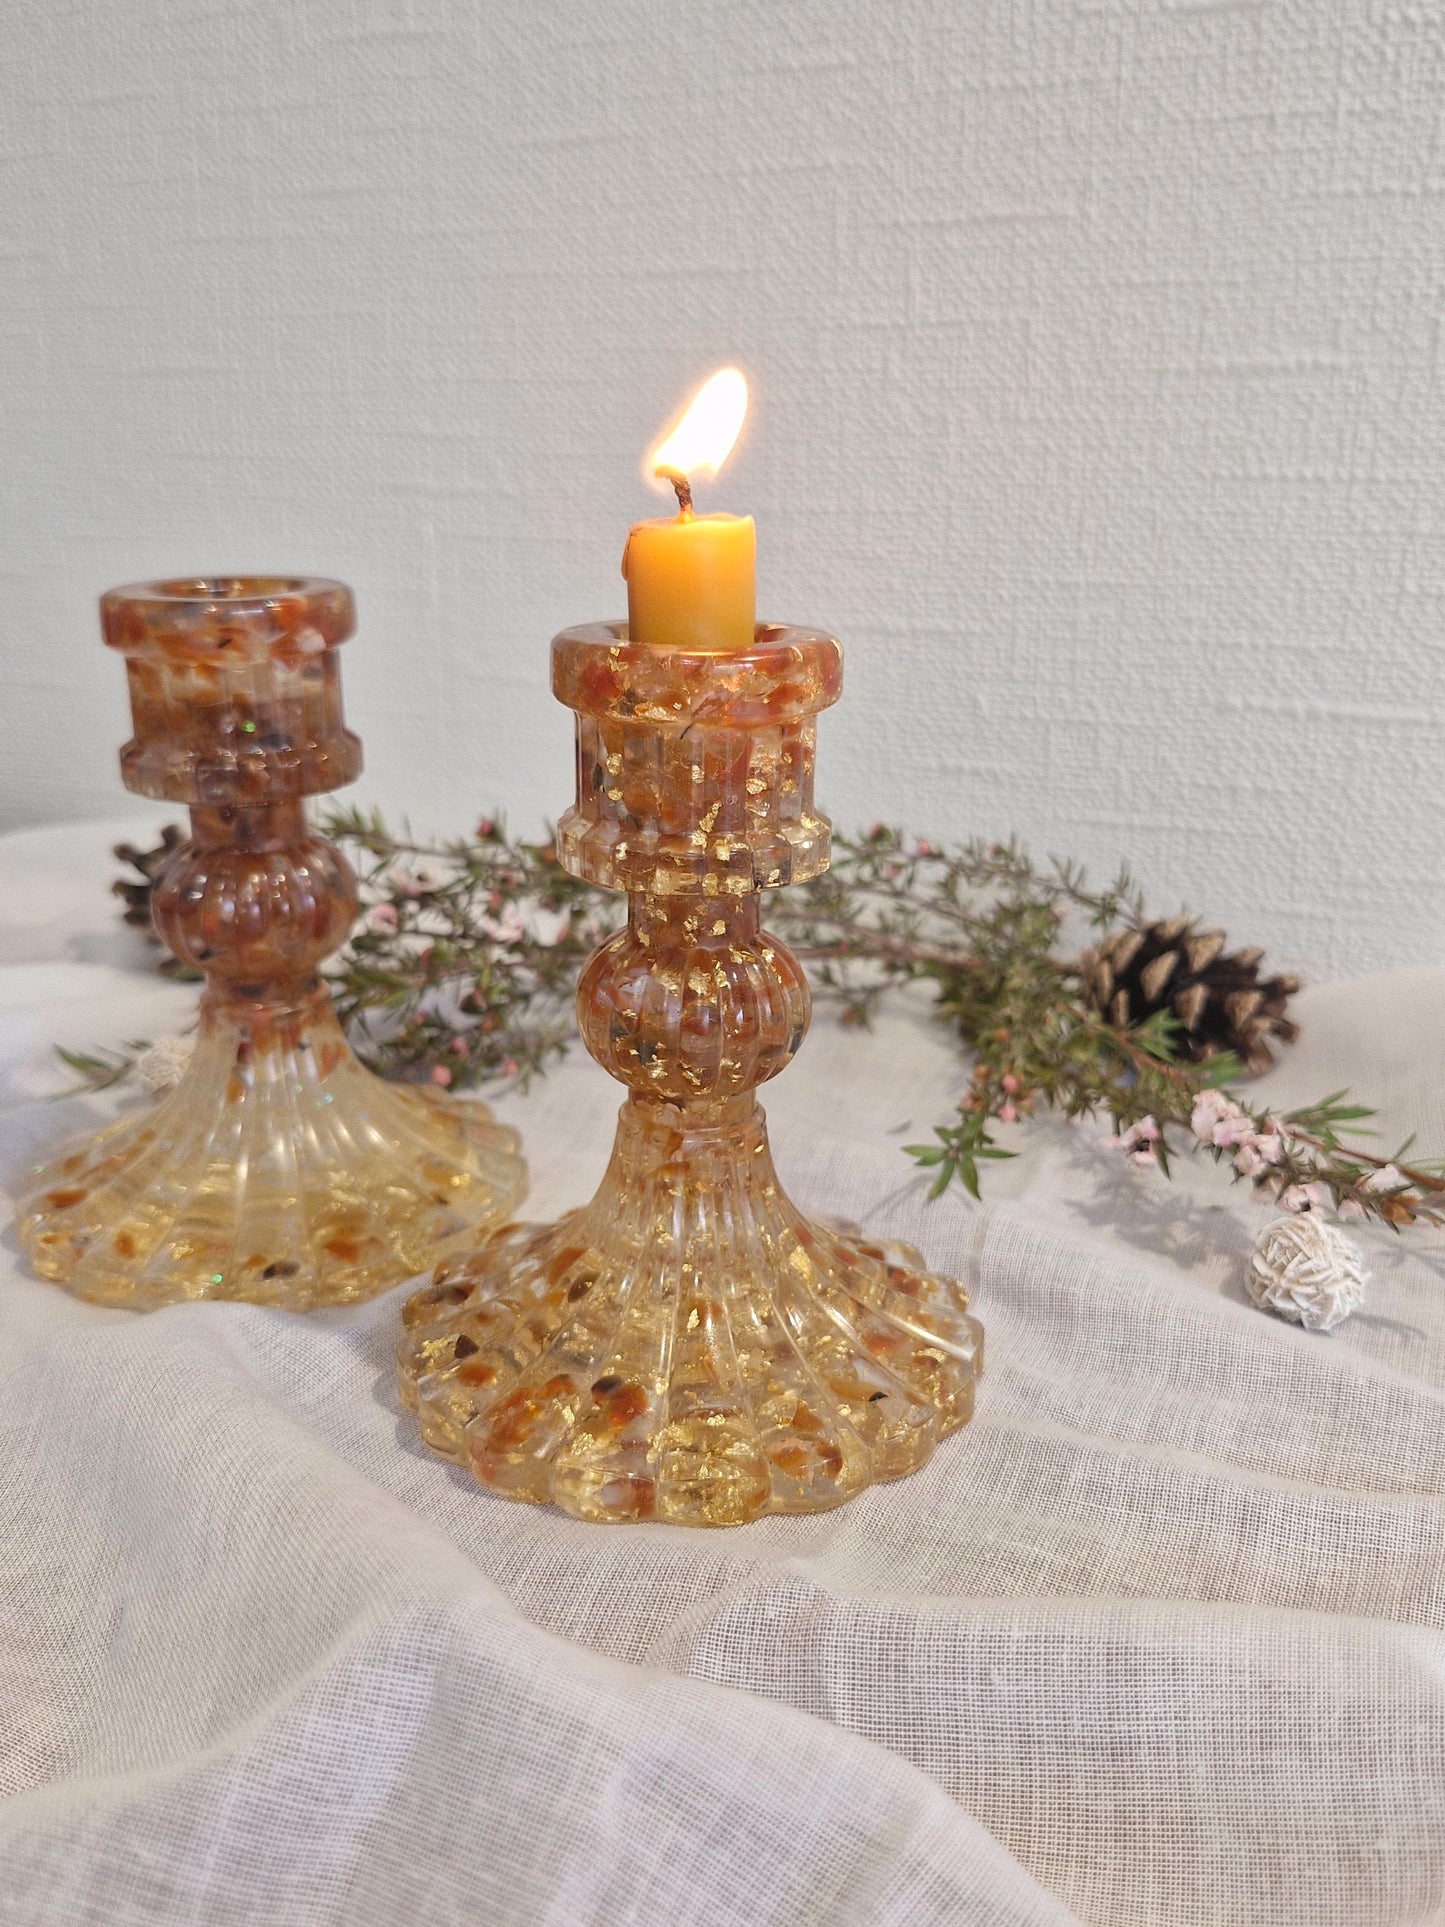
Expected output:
(1217, 997)
(135, 892)
(147, 863)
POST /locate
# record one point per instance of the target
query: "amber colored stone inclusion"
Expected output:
(689, 1347)
(279, 1171)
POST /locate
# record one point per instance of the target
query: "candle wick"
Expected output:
(683, 487)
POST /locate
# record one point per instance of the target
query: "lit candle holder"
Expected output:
(689, 1347)
(280, 1170)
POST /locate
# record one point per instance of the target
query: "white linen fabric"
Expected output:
(1157, 1638)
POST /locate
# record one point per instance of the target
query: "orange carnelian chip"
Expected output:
(598, 682)
(512, 1422)
(563, 1262)
(621, 1407)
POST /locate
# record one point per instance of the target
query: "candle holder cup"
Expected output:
(279, 1170)
(688, 1346)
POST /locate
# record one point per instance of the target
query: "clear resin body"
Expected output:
(279, 1170)
(688, 1346)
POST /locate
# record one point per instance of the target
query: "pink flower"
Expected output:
(509, 1067)
(1388, 1178)
(1305, 1197)
(1138, 1141)
(440, 1074)
(423, 877)
(487, 826)
(1258, 1151)
(1209, 1108)
(1009, 1082)
(459, 1046)
(381, 918)
(1006, 1113)
(1218, 1120)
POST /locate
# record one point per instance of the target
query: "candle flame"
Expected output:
(704, 433)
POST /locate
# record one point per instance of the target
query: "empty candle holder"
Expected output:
(689, 1347)
(279, 1170)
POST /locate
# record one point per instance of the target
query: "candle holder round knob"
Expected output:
(689, 1347)
(279, 1170)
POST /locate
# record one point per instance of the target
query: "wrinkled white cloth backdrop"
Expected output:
(1157, 1638)
(1099, 401)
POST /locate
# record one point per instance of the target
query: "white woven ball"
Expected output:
(162, 1065)
(1307, 1271)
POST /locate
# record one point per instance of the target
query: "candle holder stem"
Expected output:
(689, 1347)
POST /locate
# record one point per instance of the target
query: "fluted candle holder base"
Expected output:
(280, 1171)
(688, 1347)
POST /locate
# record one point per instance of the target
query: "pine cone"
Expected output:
(136, 893)
(1219, 999)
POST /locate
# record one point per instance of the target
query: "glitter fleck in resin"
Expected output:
(279, 1171)
(689, 1347)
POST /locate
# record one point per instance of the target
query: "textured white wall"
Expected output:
(1096, 355)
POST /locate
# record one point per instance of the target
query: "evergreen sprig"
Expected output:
(463, 963)
(986, 928)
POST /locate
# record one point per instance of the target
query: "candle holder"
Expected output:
(279, 1170)
(689, 1347)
